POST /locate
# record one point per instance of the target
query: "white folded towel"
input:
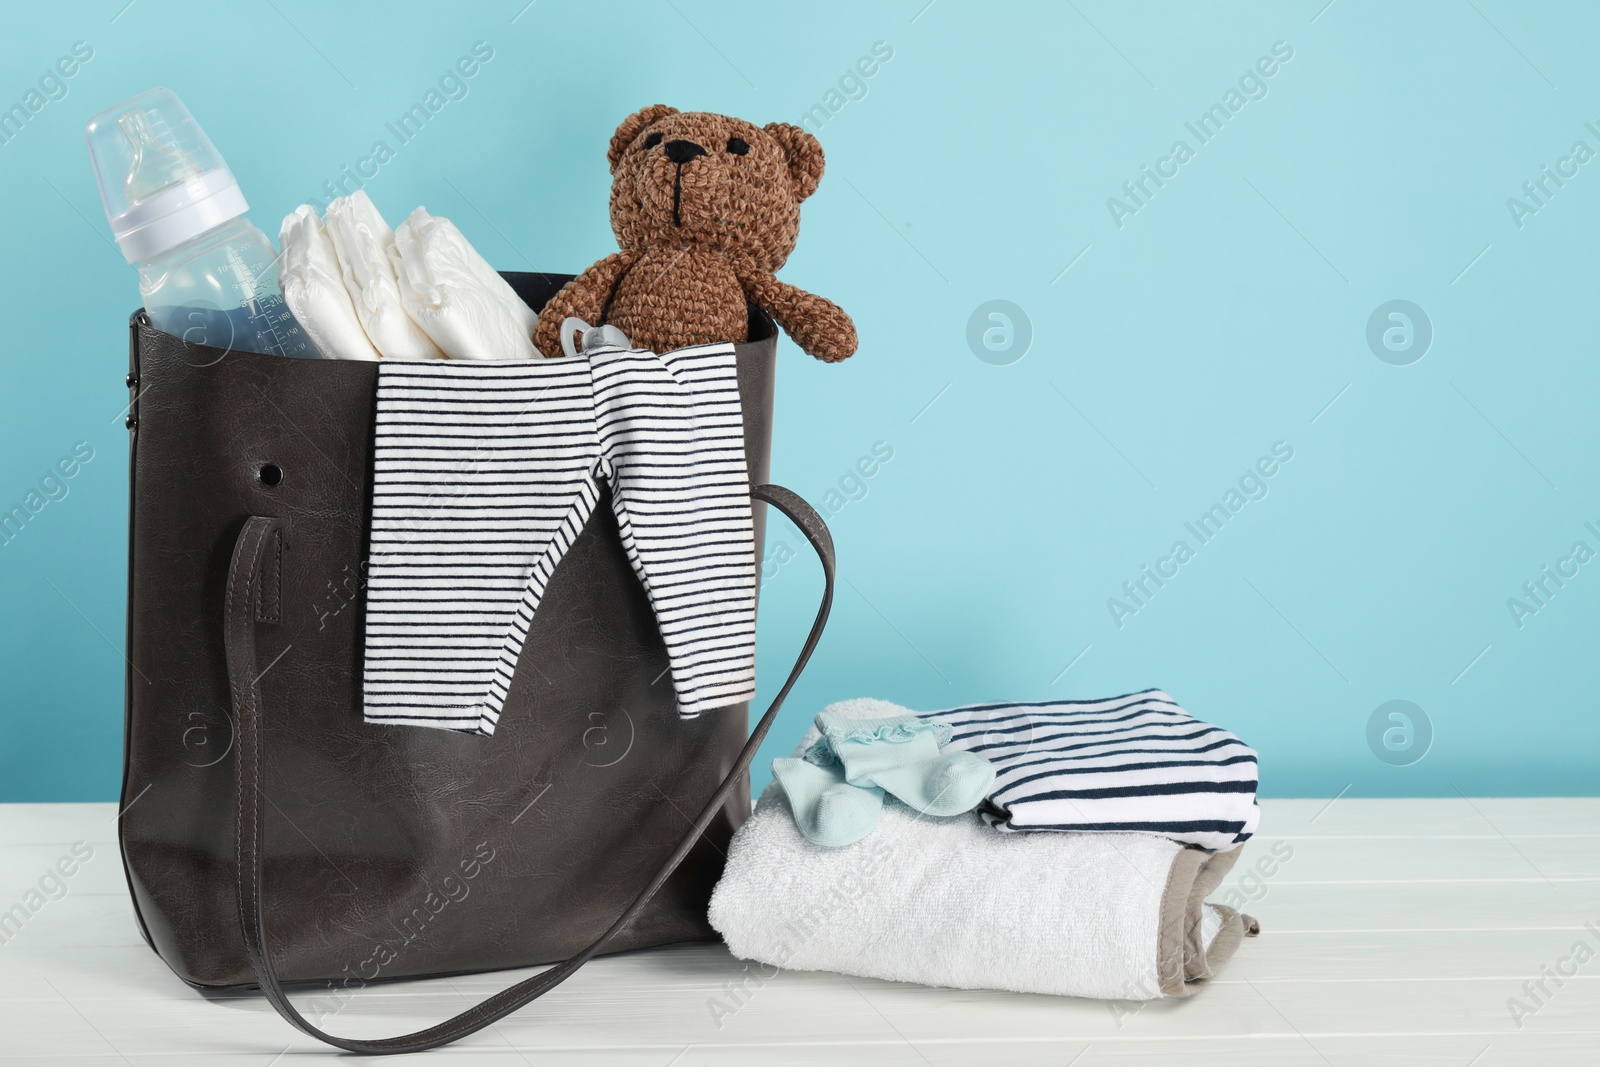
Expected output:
(460, 301)
(313, 287)
(951, 902)
(365, 244)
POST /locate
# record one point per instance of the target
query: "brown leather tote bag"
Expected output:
(271, 837)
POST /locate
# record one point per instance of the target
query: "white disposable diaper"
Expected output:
(313, 287)
(364, 245)
(452, 293)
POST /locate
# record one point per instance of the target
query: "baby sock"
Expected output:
(901, 755)
(828, 810)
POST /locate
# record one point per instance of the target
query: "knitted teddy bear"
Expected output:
(705, 208)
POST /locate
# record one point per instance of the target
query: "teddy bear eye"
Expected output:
(653, 140)
(737, 146)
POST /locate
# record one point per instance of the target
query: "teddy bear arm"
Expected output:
(583, 297)
(818, 325)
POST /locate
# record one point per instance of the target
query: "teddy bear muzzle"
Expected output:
(683, 188)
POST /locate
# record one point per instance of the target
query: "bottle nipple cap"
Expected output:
(155, 165)
(161, 179)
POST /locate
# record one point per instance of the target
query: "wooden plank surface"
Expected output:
(1394, 932)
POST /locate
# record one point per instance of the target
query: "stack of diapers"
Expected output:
(969, 901)
(363, 291)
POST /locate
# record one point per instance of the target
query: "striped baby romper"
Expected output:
(484, 474)
(1137, 763)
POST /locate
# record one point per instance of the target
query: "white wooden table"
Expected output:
(1395, 934)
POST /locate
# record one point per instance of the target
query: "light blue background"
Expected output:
(1224, 316)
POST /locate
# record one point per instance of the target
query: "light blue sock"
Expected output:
(828, 810)
(901, 755)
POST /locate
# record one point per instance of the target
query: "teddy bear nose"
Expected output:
(681, 152)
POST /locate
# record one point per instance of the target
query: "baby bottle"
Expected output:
(205, 272)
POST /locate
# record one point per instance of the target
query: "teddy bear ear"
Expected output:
(630, 129)
(804, 153)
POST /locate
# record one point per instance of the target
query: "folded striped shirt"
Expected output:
(1136, 763)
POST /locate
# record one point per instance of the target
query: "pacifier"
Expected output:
(594, 337)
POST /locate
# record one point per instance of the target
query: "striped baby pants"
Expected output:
(483, 476)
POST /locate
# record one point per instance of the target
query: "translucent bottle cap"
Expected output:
(161, 179)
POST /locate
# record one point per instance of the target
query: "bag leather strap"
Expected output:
(250, 562)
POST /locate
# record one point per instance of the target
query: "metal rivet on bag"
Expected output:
(270, 474)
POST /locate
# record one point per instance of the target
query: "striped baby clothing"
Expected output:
(1136, 763)
(483, 475)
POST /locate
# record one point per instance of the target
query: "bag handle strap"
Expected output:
(244, 582)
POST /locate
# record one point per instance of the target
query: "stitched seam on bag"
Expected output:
(271, 592)
(233, 685)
